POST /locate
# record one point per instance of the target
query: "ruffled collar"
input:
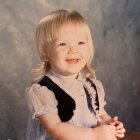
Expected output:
(63, 80)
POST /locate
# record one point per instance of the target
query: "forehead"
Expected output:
(68, 31)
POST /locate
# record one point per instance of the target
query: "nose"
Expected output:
(73, 49)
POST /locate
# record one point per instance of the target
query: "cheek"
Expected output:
(53, 54)
(57, 57)
(85, 52)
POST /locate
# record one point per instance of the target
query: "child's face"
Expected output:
(70, 53)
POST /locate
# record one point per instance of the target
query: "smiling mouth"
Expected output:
(72, 61)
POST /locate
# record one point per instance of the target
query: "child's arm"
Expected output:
(104, 116)
(66, 131)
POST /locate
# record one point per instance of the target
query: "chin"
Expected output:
(72, 72)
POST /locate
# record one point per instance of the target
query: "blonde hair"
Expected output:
(48, 30)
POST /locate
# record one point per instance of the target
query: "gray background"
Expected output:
(115, 26)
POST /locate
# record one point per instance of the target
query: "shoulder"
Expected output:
(37, 94)
(97, 83)
(38, 91)
(36, 88)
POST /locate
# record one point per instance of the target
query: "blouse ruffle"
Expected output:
(92, 93)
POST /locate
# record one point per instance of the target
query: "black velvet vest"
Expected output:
(66, 104)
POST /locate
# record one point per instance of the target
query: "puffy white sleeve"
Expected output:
(40, 100)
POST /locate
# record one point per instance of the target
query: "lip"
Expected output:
(73, 60)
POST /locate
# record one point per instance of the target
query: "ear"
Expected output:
(45, 57)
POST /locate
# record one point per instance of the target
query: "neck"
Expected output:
(71, 76)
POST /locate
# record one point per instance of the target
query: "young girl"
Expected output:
(67, 103)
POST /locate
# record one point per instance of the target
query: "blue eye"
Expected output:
(62, 44)
(81, 43)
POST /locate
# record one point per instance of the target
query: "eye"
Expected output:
(81, 43)
(62, 44)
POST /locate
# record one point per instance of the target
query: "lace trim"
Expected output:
(92, 94)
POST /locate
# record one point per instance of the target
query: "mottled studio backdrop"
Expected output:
(115, 26)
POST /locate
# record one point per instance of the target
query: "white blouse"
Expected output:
(41, 101)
